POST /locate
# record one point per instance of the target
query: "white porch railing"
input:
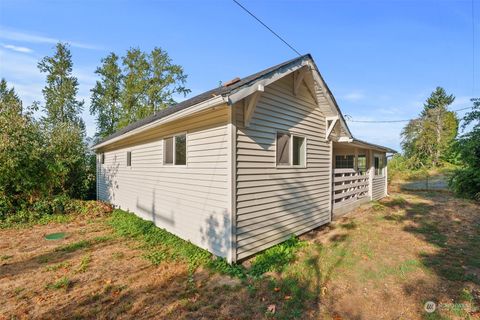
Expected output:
(349, 186)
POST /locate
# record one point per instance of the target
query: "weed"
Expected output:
(377, 206)
(18, 290)
(160, 244)
(82, 244)
(84, 263)
(63, 282)
(74, 246)
(275, 258)
(55, 267)
(118, 255)
(5, 257)
(44, 259)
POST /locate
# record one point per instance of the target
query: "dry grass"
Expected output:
(381, 262)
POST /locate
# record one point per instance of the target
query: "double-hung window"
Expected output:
(291, 150)
(175, 150)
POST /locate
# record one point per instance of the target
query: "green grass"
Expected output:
(84, 263)
(55, 267)
(82, 244)
(160, 245)
(5, 257)
(62, 283)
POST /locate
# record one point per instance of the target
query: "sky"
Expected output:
(381, 59)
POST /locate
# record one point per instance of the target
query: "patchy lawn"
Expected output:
(384, 261)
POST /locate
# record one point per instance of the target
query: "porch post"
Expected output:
(355, 166)
(371, 173)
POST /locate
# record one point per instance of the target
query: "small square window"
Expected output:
(175, 150)
(129, 159)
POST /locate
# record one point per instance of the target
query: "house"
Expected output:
(242, 167)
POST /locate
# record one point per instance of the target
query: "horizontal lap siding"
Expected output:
(192, 201)
(274, 203)
(378, 188)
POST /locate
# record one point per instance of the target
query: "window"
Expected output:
(175, 150)
(181, 150)
(379, 162)
(283, 149)
(291, 150)
(362, 163)
(344, 161)
(102, 157)
(168, 154)
(298, 151)
(129, 159)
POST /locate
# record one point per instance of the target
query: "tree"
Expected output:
(150, 82)
(22, 164)
(135, 85)
(61, 104)
(9, 100)
(106, 96)
(466, 181)
(426, 140)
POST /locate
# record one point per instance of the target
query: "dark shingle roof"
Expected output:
(223, 90)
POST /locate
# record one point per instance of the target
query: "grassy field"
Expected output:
(384, 261)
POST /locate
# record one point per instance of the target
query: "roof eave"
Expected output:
(210, 103)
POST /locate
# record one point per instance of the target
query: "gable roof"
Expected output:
(220, 91)
(231, 90)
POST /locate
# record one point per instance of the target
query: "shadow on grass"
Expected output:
(452, 227)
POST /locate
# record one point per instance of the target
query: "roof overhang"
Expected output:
(354, 142)
(210, 103)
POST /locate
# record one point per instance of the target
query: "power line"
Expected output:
(268, 28)
(349, 118)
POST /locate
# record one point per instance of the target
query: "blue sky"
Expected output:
(381, 59)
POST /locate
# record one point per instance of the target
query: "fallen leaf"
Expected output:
(324, 291)
(276, 289)
(271, 308)
(288, 297)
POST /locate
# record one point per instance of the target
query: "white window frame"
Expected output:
(290, 155)
(174, 149)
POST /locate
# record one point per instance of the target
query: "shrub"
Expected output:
(466, 183)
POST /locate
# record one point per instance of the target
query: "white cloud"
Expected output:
(19, 36)
(354, 96)
(17, 48)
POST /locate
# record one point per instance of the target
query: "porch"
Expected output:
(359, 175)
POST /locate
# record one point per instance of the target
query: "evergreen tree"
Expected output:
(9, 100)
(106, 95)
(60, 92)
(426, 140)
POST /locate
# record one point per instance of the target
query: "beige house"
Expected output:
(244, 166)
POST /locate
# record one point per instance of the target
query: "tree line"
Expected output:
(438, 138)
(45, 161)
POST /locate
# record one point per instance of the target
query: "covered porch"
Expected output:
(359, 175)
